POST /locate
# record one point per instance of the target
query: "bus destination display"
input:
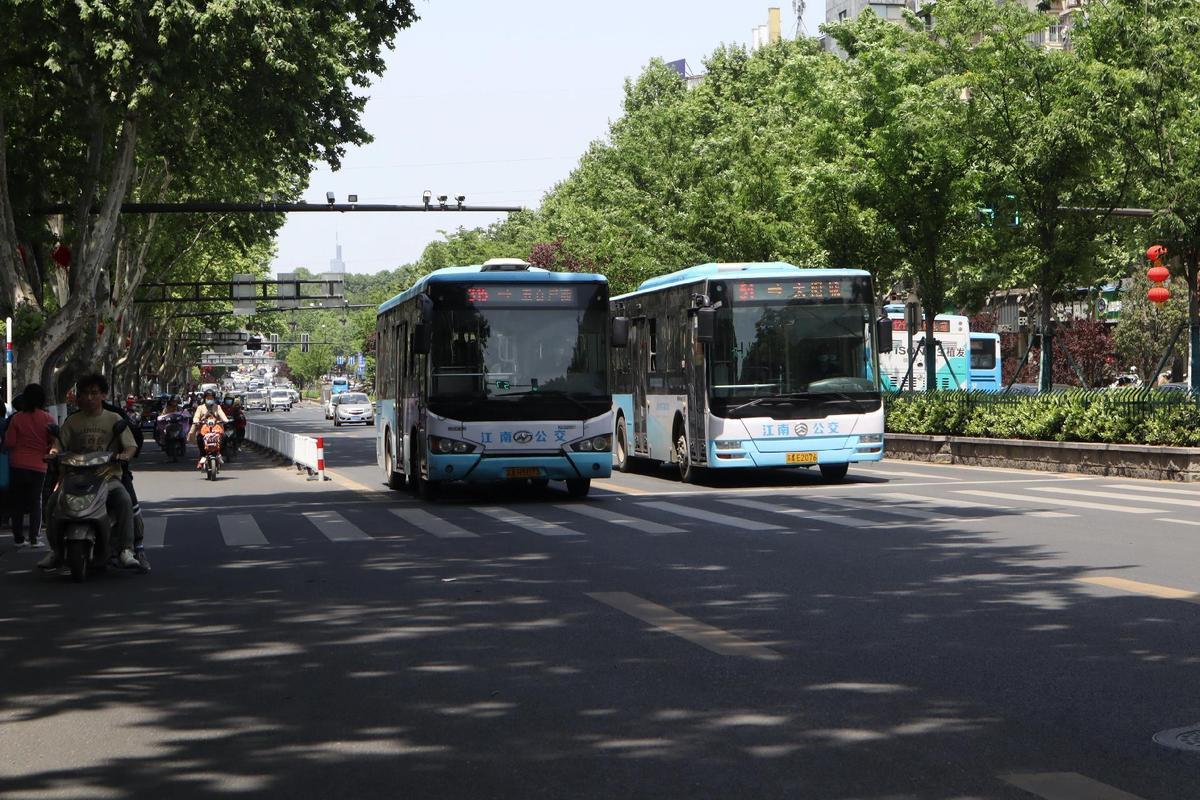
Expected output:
(817, 289)
(559, 296)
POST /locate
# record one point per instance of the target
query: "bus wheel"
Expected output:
(393, 479)
(427, 490)
(687, 473)
(834, 472)
(578, 487)
(621, 451)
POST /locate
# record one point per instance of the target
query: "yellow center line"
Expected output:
(350, 483)
(1137, 587)
(694, 631)
(1065, 786)
(613, 487)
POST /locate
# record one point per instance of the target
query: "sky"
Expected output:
(497, 101)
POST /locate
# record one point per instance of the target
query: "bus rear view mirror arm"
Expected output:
(620, 331)
(884, 334)
(706, 324)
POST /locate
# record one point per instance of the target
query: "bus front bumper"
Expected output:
(805, 453)
(476, 468)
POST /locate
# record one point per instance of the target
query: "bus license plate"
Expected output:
(522, 472)
(801, 458)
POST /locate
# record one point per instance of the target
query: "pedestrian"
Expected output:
(27, 440)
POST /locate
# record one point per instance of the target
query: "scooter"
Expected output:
(229, 444)
(79, 512)
(212, 435)
(171, 434)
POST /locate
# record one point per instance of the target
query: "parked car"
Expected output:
(279, 400)
(352, 407)
(255, 401)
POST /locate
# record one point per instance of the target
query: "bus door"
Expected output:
(696, 378)
(639, 366)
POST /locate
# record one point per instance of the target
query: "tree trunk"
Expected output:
(930, 350)
(1046, 360)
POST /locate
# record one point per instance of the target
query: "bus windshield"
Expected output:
(794, 353)
(540, 348)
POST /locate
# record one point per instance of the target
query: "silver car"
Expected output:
(352, 407)
(280, 400)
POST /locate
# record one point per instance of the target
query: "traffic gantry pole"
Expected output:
(8, 355)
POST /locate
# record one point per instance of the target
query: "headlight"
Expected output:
(870, 438)
(77, 502)
(596, 444)
(440, 444)
(729, 444)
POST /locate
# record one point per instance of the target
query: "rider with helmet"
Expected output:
(208, 406)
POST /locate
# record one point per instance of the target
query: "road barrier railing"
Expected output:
(306, 452)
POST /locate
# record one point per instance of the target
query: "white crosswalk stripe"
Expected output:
(528, 523)
(615, 518)
(805, 514)
(888, 473)
(1155, 489)
(957, 502)
(1171, 501)
(879, 508)
(335, 527)
(435, 526)
(239, 530)
(1061, 501)
(708, 516)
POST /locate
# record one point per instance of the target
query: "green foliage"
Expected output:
(308, 367)
(1145, 328)
(1119, 416)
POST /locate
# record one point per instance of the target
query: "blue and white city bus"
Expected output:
(495, 372)
(750, 365)
(985, 362)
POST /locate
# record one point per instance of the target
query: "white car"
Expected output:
(279, 400)
(352, 407)
(254, 401)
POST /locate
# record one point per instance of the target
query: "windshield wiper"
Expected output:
(555, 393)
(782, 399)
(843, 397)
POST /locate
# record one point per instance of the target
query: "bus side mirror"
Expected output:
(420, 339)
(883, 327)
(620, 332)
(706, 324)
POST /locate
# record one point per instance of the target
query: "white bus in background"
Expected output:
(950, 331)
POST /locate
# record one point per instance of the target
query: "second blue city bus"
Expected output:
(750, 365)
(495, 372)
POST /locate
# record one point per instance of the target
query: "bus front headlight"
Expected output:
(870, 438)
(596, 444)
(445, 446)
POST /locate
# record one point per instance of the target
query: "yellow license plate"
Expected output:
(801, 458)
(522, 472)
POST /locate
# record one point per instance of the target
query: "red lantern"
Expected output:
(1158, 294)
(62, 256)
(1158, 274)
(1155, 253)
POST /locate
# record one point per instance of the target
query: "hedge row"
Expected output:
(1114, 416)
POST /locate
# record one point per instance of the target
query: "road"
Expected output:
(919, 631)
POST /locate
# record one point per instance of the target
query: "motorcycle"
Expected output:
(229, 444)
(79, 510)
(170, 432)
(212, 434)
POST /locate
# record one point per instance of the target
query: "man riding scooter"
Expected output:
(88, 431)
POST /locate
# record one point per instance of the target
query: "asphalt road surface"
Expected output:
(918, 631)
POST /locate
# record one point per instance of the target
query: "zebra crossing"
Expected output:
(764, 514)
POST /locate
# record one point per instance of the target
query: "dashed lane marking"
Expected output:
(1137, 587)
(712, 639)
(614, 518)
(435, 526)
(528, 523)
(1156, 489)
(335, 527)
(1178, 521)
(240, 529)
(715, 519)
(154, 531)
(1065, 786)
(1072, 503)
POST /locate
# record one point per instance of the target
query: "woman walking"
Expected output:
(27, 440)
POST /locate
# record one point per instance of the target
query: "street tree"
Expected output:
(1047, 137)
(1146, 329)
(102, 101)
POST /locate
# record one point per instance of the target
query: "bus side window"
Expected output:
(398, 355)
